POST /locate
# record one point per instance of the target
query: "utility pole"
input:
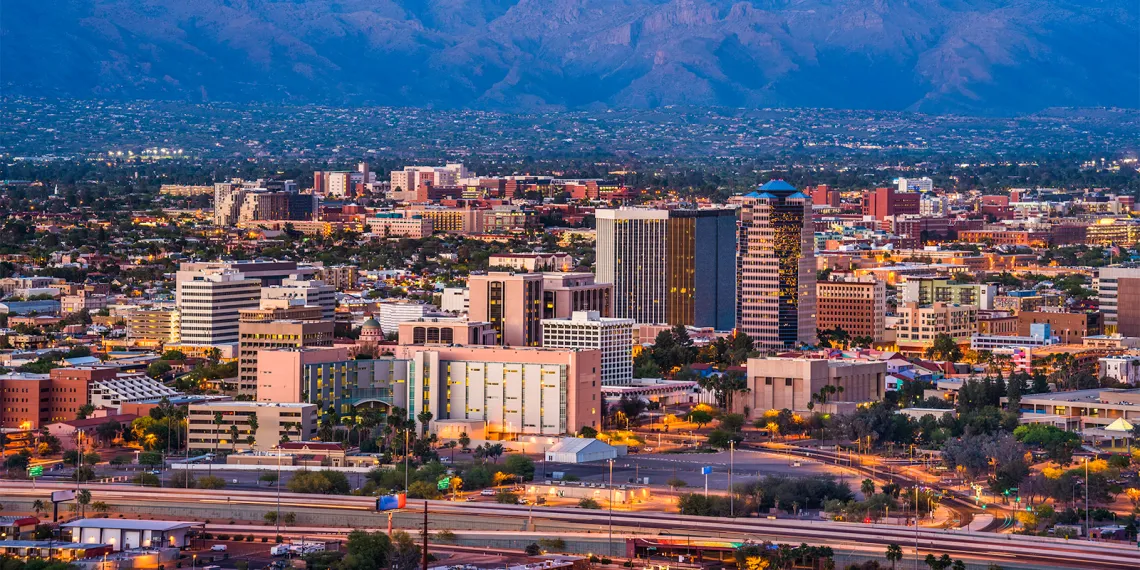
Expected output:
(1086, 498)
(610, 544)
(731, 495)
(425, 536)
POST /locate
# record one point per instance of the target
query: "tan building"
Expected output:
(997, 323)
(918, 325)
(154, 327)
(788, 383)
(459, 332)
(396, 225)
(339, 277)
(512, 303)
(262, 329)
(1072, 328)
(532, 262)
(858, 306)
(276, 422)
(514, 391)
(83, 301)
(565, 293)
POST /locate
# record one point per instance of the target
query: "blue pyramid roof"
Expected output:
(798, 195)
(766, 196)
(778, 186)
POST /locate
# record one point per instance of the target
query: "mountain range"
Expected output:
(935, 56)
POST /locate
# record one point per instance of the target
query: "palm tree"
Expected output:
(38, 506)
(868, 488)
(894, 554)
(83, 498)
(217, 424)
(234, 436)
(251, 421)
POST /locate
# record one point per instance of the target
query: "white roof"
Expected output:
(1120, 424)
(575, 445)
(129, 524)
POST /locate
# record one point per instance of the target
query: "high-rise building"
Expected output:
(511, 302)
(856, 305)
(304, 292)
(589, 330)
(776, 267)
(927, 290)
(670, 266)
(153, 327)
(885, 202)
(269, 271)
(209, 302)
(1119, 293)
(273, 328)
(565, 293)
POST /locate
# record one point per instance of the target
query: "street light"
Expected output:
(610, 543)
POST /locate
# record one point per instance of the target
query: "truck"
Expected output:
(297, 548)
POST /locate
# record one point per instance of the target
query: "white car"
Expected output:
(219, 548)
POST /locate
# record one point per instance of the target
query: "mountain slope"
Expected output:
(978, 56)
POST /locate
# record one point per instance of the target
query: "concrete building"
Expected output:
(393, 224)
(670, 266)
(154, 327)
(269, 271)
(1072, 328)
(455, 300)
(511, 302)
(1119, 295)
(340, 277)
(113, 390)
(1124, 369)
(391, 314)
(588, 330)
(276, 421)
(304, 292)
(263, 329)
(434, 330)
(209, 302)
(566, 293)
(82, 302)
(329, 378)
(776, 267)
(918, 325)
(1085, 411)
(32, 401)
(1040, 335)
(883, 203)
(922, 185)
(514, 391)
(927, 290)
(131, 534)
(788, 383)
(532, 262)
(857, 305)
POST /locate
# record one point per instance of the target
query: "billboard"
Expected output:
(389, 502)
(61, 496)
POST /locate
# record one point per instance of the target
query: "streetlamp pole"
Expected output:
(1086, 498)
(731, 495)
(610, 543)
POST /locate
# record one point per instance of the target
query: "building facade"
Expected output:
(511, 302)
(918, 325)
(631, 254)
(790, 383)
(209, 302)
(776, 272)
(588, 330)
(276, 422)
(282, 328)
(856, 305)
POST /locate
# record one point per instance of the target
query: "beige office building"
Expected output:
(153, 327)
(918, 325)
(788, 383)
(276, 422)
(512, 303)
(857, 305)
(263, 329)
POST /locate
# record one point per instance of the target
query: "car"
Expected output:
(647, 449)
(523, 501)
(219, 548)
(487, 492)
(470, 498)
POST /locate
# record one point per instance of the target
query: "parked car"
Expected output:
(487, 492)
(219, 548)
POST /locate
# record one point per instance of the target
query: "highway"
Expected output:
(1046, 552)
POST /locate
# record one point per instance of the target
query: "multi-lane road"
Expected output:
(1038, 551)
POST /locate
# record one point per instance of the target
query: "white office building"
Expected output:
(588, 330)
(392, 314)
(631, 254)
(209, 301)
(923, 184)
(304, 292)
(455, 300)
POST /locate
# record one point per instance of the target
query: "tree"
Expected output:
(894, 554)
(83, 498)
(506, 498)
(722, 439)
(84, 411)
(269, 477)
(465, 441)
(867, 487)
(588, 503)
(367, 551)
(520, 465)
(211, 482)
(941, 563)
(423, 490)
(700, 417)
(39, 506)
(251, 421)
(100, 507)
(944, 348)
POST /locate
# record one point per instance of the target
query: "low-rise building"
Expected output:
(1124, 369)
(126, 534)
(276, 423)
(918, 325)
(790, 383)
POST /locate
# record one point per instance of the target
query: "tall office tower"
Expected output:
(776, 261)
(670, 266)
(701, 268)
(631, 254)
(512, 303)
(209, 302)
(1118, 289)
(304, 292)
(269, 271)
(277, 325)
